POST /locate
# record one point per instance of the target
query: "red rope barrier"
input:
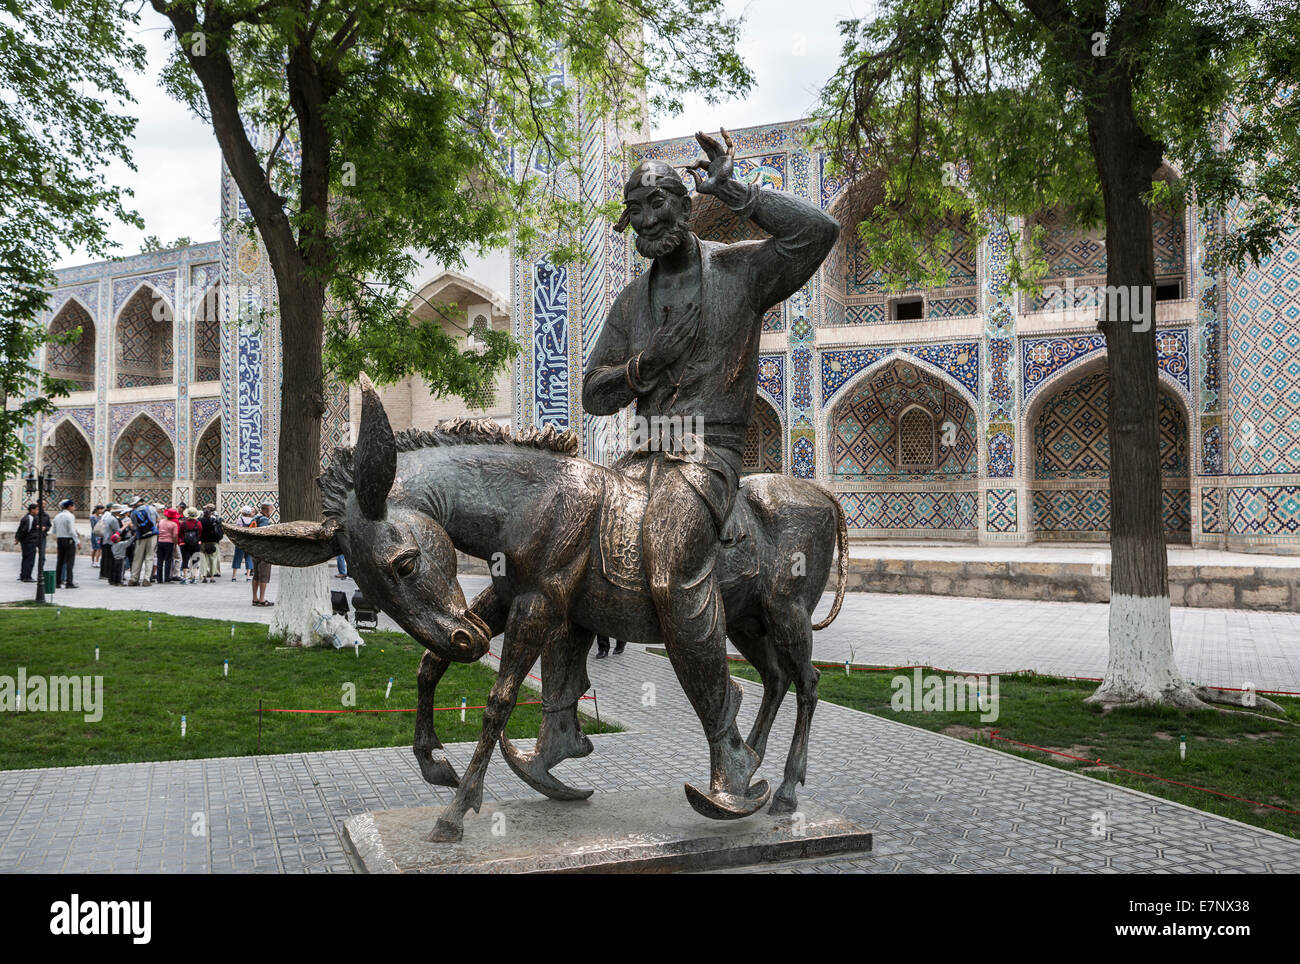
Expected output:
(1151, 776)
(436, 709)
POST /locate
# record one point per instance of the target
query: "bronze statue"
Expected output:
(682, 342)
(658, 548)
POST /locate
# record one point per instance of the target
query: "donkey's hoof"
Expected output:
(534, 772)
(436, 769)
(444, 831)
(718, 805)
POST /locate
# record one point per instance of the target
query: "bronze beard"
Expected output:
(666, 243)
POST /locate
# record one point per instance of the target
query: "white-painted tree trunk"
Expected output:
(304, 595)
(1141, 666)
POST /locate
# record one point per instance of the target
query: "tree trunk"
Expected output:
(304, 593)
(1140, 668)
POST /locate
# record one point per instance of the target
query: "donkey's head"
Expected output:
(401, 557)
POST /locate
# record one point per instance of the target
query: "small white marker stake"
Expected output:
(151, 624)
(58, 612)
(182, 726)
(1182, 747)
(356, 648)
(846, 667)
(463, 701)
(225, 668)
(232, 630)
(96, 654)
(389, 689)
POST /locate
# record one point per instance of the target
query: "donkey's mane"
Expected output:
(337, 479)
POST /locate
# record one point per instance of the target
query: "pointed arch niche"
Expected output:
(145, 353)
(144, 462)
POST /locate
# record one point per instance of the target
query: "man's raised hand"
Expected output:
(718, 169)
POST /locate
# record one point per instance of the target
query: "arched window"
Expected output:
(915, 440)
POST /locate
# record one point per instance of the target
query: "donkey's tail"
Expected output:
(842, 548)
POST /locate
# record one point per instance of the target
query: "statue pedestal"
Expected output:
(642, 831)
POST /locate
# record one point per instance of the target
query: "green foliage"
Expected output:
(153, 243)
(981, 106)
(386, 132)
(61, 63)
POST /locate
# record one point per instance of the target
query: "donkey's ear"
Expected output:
(374, 460)
(295, 544)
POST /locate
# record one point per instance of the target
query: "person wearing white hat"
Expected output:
(109, 523)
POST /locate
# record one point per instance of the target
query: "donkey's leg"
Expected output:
(564, 681)
(792, 637)
(434, 765)
(776, 682)
(429, 753)
(533, 623)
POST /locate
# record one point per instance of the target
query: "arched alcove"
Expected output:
(1070, 460)
(145, 354)
(874, 447)
(763, 440)
(1076, 257)
(75, 360)
(67, 456)
(144, 462)
(855, 291)
(207, 336)
(207, 464)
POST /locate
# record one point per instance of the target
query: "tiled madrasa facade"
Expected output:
(177, 371)
(962, 413)
(955, 414)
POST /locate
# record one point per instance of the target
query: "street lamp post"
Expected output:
(40, 486)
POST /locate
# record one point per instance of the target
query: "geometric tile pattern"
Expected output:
(763, 441)
(1212, 510)
(1072, 435)
(207, 336)
(864, 427)
(1072, 254)
(69, 459)
(164, 413)
(1087, 511)
(1040, 358)
(771, 378)
(1264, 364)
(960, 360)
(948, 511)
(1264, 510)
(144, 344)
(76, 361)
(1000, 510)
(145, 454)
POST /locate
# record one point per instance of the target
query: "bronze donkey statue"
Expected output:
(566, 530)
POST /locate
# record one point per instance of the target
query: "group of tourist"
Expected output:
(140, 544)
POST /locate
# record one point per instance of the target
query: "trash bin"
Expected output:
(49, 582)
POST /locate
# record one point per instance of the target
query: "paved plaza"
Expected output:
(1214, 646)
(935, 804)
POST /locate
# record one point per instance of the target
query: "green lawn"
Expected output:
(152, 677)
(1245, 756)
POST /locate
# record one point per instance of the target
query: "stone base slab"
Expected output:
(641, 831)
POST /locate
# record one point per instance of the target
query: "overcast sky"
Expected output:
(179, 163)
